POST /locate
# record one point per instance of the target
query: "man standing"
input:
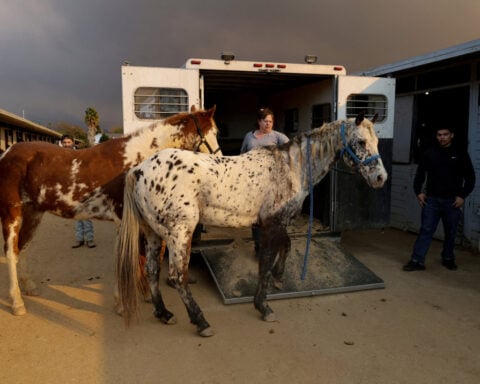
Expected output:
(450, 178)
(83, 228)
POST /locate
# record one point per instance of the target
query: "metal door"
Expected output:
(184, 81)
(353, 203)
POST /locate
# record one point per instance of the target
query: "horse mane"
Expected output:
(325, 139)
(184, 119)
(187, 119)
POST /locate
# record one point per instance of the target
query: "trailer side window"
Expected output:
(368, 103)
(159, 103)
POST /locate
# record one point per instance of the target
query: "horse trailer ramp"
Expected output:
(330, 268)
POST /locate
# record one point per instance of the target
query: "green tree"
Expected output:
(92, 121)
(104, 138)
(116, 130)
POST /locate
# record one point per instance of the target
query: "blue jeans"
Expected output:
(435, 209)
(84, 230)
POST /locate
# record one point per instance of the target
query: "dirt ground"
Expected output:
(424, 327)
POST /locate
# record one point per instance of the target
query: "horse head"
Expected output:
(200, 126)
(360, 150)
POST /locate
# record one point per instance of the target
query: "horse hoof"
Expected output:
(278, 284)
(166, 318)
(270, 317)
(32, 291)
(119, 310)
(171, 321)
(19, 311)
(29, 287)
(207, 332)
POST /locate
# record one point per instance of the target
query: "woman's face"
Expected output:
(266, 124)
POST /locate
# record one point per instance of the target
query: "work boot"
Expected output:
(450, 264)
(413, 266)
(78, 244)
(91, 244)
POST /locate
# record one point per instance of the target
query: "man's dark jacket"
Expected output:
(449, 173)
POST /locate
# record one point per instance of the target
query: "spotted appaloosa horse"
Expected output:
(168, 194)
(37, 177)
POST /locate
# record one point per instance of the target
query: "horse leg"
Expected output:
(279, 264)
(11, 228)
(272, 239)
(30, 222)
(155, 250)
(143, 280)
(179, 258)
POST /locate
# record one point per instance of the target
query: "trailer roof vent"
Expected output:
(311, 59)
(227, 57)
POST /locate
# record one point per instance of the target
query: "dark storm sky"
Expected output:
(58, 57)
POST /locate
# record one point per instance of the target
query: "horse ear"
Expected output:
(375, 117)
(193, 108)
(211, 111)
(359, 118)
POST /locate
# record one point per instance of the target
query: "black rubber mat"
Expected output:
(330, 269)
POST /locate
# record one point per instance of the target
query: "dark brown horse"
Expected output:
(37, 177)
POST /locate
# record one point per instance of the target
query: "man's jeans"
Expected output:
(435, 209)
(84, 230)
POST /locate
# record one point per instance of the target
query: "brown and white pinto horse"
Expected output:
(38, 177)
(265, 186)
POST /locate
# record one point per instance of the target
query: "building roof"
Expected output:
(10, 118)
(470, 47)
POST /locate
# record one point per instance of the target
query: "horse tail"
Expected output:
(128, 266)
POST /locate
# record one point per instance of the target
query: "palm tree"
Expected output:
(92, 120)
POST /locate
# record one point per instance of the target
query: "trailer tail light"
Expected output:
(195, 62)
(269, 65)
(257, 65)
(338, 68)
(281, 66)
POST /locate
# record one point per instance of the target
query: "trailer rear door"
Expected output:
(354, 204)
(152, 94)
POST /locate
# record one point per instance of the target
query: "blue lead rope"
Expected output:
(310, 219)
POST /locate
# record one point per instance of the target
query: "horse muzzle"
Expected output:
(376, 177)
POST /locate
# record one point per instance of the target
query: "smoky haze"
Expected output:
(58, 57)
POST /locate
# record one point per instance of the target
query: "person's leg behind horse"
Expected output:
(79, 234)
(88, 233)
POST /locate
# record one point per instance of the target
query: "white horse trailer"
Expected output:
(302, 96)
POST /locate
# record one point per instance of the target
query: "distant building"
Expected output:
(439, 88)
(14, 129)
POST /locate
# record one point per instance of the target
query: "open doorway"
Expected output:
(448, 108)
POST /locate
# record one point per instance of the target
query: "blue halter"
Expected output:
(346, 148)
